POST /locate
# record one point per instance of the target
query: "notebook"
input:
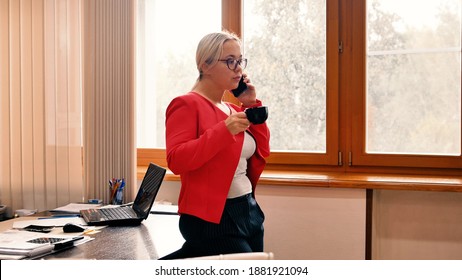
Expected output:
(18, 244)
(135, 213)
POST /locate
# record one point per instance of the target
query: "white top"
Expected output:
(241, 184)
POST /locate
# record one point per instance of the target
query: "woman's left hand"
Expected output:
(249, 96)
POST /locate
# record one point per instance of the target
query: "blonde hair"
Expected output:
(210, 48)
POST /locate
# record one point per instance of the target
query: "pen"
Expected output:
(66, 244)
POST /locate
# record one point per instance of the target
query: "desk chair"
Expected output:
(238, 256)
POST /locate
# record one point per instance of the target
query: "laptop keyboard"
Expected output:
(109, 214)
(116, 213)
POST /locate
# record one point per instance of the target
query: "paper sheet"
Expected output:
(17, 239)
(75, 207)
(164, 208)
(15, 244)
(49, 221)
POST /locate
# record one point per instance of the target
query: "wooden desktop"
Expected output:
(157, 236)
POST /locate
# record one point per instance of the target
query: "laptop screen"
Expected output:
(148, 190)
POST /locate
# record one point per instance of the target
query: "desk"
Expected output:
(157, 236)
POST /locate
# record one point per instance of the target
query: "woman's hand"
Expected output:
(237, 123)
(248, 97)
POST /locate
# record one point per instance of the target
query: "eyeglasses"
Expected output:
(232, 63)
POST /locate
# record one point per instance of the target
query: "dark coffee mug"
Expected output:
(257, 115)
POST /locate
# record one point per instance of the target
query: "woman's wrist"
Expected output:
(256, 103)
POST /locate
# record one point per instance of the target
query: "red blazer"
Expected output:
(205, 154)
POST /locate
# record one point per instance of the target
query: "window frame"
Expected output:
(345, 112)
(232, 20)
(356, 14)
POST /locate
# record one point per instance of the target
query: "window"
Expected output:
(288, 60)
(291, 44)
(409, 112)
(420, 91)
(350, 85)
(166, 66)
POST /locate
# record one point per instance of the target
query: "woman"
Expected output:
(218, 154)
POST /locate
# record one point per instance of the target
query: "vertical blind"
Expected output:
(109, 102)
(66, 101)
(41, 109)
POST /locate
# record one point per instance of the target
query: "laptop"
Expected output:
(133, 214)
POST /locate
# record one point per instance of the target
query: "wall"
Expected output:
(417, 225)
(307, 223)
(329, 224)
(314, 223)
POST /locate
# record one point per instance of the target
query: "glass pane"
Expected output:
(168, 34)
(287, 63)
(414, 77)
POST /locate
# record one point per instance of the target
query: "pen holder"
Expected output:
(116, 188)
(119, 198)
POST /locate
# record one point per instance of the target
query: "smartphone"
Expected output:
(240, 88)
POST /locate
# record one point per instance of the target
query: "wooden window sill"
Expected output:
(349, 180)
